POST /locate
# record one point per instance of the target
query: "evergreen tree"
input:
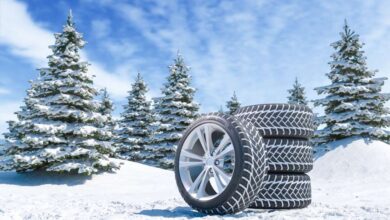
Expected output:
(59, 128)
(135, 124)
(354, 104)
(106, 108)
(221, 109)
(1, 149)
(175, 111)
(297, 94)
(233, 104)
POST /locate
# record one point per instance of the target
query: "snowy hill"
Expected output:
(349, 182)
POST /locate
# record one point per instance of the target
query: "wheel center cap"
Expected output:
(210, 161)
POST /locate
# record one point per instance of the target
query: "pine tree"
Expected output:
(297, 94)
(233, 104)
(106, 108)
(354, 104)
(135, 124)
(59, 128)
(175, 111)
(221, 109)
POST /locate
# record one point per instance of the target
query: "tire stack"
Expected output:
(271, 154)
(285, 130)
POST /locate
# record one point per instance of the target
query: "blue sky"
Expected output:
(256, 48)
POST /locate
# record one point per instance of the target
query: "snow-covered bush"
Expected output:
(175, 110)
(135, 129)
(59, 128)
(354, 104)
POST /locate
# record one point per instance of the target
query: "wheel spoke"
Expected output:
(202, 187)
(191, 163)
(197, 181)
(218, 181)
(225, 140)
(227, 150)
(191, 155)
(226, 177)
(201, 140)
(206, 159)
(209, 142)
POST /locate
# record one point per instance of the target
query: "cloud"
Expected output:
(120, 49)
(26, 38)
(23, 36)
(101, 28)
(256, 48)
(4, 91)
(220, 42)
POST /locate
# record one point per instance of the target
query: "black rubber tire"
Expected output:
(289, 155)
(279, 120)
(284, 191)
(249, 171)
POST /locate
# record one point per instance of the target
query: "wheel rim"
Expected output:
(206, 162)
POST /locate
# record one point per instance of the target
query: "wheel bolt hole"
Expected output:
(216, 162)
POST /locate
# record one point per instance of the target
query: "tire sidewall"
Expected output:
(238, 168)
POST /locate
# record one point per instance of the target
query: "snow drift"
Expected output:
(355, 171)
(354, 159)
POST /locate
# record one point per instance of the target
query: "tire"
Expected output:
(289, 155)
(279, 120)
(284, 191)
(249, 170)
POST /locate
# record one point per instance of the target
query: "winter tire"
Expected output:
(284, 191)
(220, 164)
(279, 120)
(289, 155)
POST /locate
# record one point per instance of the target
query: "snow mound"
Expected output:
(354, 159)
(355, 172)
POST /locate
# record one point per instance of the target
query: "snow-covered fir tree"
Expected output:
(175, 110)
(1, 148)
(59, 128)
(354, 104)
(297, 94)
(135, 128)
(233, 104)
(106, 105)
(106, 108)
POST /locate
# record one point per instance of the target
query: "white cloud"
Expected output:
(223, 59)
(120, 49)
(101, 28)
(259, 47)
(26, 38)
(19, 32)
(4, 91)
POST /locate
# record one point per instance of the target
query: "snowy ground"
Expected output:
(350, 182)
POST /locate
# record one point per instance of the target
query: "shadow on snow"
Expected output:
(36, 178)
(188, 212)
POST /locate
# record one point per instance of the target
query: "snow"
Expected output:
(355, 169)
(351, 181)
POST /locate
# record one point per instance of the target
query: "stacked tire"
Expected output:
(286, 130)
(255, 158)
